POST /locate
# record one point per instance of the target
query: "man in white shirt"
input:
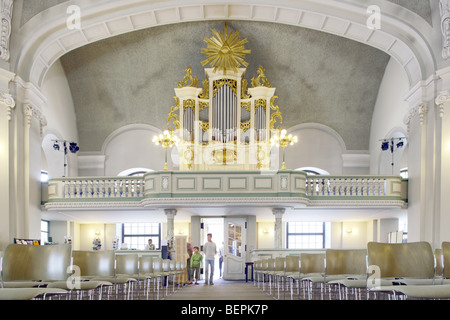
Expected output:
(210, 251)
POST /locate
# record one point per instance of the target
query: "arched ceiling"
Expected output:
(130, 78)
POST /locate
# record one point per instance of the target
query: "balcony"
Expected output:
(162, 189)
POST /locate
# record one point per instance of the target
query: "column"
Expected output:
(170, 214)
(278, 213)
(7, 104)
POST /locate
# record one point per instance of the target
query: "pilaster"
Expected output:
(278, 213)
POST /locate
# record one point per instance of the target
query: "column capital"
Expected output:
(442, 99)
(8, 101)
(278, 212)
(170, 213)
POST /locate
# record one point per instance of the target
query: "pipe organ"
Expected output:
(224, 125)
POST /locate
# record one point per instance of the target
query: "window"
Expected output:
(136, 235)
(404, 173)
(44, 176)
(305, 235)
(44, 231)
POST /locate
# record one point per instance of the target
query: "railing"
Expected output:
(97, 188)
(164, 187)
(338, 186)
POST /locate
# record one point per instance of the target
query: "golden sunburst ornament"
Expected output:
(225, 50)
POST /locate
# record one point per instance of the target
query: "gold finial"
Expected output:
(188, 80)
(225, 50)
(256, 82)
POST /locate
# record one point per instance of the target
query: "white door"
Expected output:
(234, 248)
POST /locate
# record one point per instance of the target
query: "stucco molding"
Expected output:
(42, 45)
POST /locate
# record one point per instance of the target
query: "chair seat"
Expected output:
(425, 291)
(114, 280)
(82, 285)
(25, 284)
(27, 293)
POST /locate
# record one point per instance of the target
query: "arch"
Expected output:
(130, 127)
(43, 44)
(321, 127)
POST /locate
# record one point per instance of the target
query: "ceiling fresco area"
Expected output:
(130, 79)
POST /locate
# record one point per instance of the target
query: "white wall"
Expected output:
(61, 120)
(129, 147)
(388, 119)
(318, 146)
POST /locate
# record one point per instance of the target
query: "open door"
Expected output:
(235, 233)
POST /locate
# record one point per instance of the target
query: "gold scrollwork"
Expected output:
(188, 80)
(202, 105)
(244, 90)
(173, 115)
(217, 84)
(245, 125)
(256, 82)
(260, 103)
(224, 155)
(204, 125)
(205, 92)
(247, 105)
(276, 114)
(188, 103)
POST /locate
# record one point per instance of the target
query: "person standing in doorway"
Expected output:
(150, 245)
(210, 251)
(220, 260)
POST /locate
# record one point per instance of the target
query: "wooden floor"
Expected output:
(221, 290)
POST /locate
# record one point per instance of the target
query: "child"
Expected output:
(196, 260)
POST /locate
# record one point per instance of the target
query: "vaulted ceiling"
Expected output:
(319, 77)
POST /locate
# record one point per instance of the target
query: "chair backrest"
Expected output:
(36, 262)
(146, 264)
(350, 261)
(157, 264)
(439, 262)
(264, 264)
(127, 263)
(446, 259)
(280, 264)
(312, 263)
(166, 265)
(270, 264)
(414, 260)
(94, 263)
(292, 263)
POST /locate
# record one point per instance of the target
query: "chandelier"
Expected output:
(281, 139)
(166, 139)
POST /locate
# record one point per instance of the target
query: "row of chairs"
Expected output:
(382, 271)
(40, 272)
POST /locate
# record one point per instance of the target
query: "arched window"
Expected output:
(134, 172)
(313, 171)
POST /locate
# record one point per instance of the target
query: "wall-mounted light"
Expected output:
(388, 144)
(349, 230)
(73, 147)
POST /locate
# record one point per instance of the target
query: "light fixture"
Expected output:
(349, 230)
(388, 144)
(166, 139)
(281, 139)
(73, 148)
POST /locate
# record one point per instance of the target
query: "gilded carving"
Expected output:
(275, 115)
(261, 79)
(188, 80)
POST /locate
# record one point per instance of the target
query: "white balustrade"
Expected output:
(96, 188)
(357, 186)
(316, 187)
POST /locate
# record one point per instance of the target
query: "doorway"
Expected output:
(215, 226)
